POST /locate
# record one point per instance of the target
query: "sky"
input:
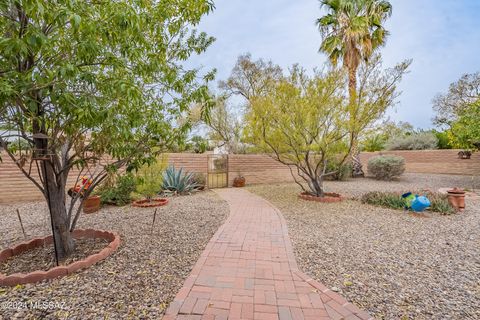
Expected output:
(441, 36)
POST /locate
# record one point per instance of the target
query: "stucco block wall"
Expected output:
(256, 169)
(433, 161)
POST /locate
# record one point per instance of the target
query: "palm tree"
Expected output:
(352, 30)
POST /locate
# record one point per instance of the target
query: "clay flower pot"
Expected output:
(91, 204)
(465, 154)
(456, 198)
(239, 182)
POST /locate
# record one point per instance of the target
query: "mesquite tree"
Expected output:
(302, 123)
(80, 80)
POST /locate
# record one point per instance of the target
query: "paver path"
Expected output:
(248, 271)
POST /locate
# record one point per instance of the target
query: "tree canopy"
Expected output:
(301, 122)
(465, 131)
(249, 78)
(84, 79)
(458, 112)
(352, 30)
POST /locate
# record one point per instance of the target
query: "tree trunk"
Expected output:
(316, 186)
(357, 169)
(55, 196)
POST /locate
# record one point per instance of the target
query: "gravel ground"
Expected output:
(391, 264)
(43, 257)
(138, 281)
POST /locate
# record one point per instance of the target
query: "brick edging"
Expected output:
(159, 202)
(329, 197)
(60, 271)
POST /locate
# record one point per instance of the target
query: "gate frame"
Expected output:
(210, 159)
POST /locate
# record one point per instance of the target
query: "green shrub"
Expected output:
(344, 171)
(416, 141)
(178, 182)
(393, 200)
(374, 143)
(386, 167)
(443, 140)
(199, 179)
(118, 192)
(149, 179)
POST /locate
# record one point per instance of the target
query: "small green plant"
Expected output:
(342, 171)
(118, 190)
(393, 200)
(374, 143)
(439, 203)
(149, 179)
(386, 167)
(178, 182)
(384, 199)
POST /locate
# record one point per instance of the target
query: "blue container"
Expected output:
(420, 204)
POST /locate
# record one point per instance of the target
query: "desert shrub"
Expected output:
(118, 192)
(178, 182)
(149, 178)
(393, 200)
(386, 167)
(443, 140)
(343, 171)
(199, 178)
(374, 143)
(417, 141)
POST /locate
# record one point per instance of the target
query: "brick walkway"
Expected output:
(248, 271)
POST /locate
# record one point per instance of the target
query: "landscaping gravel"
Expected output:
(43, 258)
(138, 281)
(394, 265)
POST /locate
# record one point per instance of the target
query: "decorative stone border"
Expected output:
(150, 204)
(60, 271)
(329, 197)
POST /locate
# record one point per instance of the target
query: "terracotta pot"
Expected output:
(91, 204)
(464, 155)
(239, 182)
(456, 198)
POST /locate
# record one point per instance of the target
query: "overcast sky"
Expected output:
(441, 36)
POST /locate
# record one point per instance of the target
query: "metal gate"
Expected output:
(217, 176)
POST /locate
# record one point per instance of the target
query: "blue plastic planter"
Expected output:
(420, 204)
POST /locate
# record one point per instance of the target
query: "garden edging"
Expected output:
(329, 197)
(60, 271)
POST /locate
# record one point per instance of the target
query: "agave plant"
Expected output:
(178, 182)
